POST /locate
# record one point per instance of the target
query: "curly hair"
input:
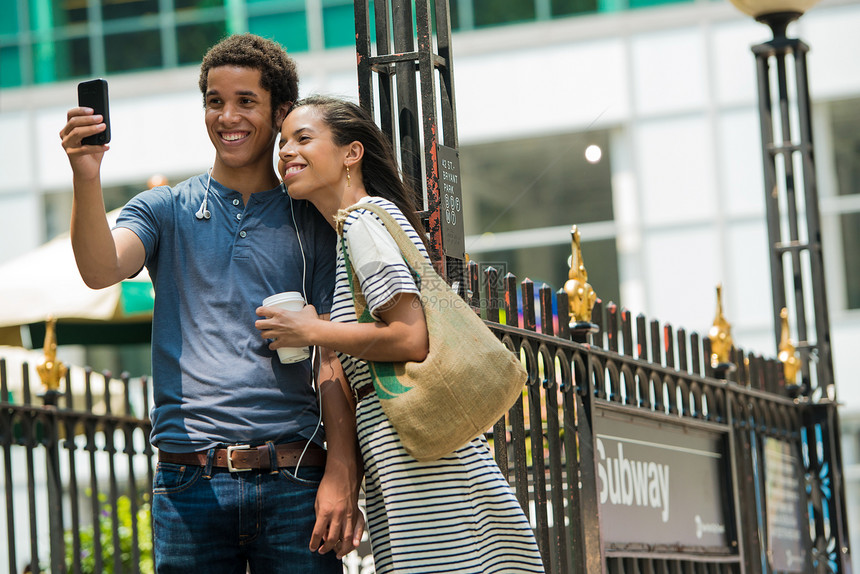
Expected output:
(278, 73)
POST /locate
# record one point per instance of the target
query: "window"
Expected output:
(521, 198)
(61, 60)
(133, 51)
(117, 9)
(493, 12)
(568, 7)
(133, 35)
(290, 29)
(10, 67)
(508, 180)
(845, 127)
(8, 17)
(181, 5)
(338, 23)
(193, 40)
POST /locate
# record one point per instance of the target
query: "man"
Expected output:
(242, 480)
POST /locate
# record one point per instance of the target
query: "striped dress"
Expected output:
(456, 514)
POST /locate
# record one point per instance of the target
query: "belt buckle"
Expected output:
(230, 450)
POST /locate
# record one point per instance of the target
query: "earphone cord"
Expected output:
(314, 381)
(301, 248)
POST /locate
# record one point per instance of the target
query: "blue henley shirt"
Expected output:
(215, 380)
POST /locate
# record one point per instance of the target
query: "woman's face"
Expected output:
(309, 161)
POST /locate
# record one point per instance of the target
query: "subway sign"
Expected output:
(662, 484)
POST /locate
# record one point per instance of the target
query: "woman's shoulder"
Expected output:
(386, 204)
(362, 212)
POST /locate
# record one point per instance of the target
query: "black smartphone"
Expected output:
(94, 94)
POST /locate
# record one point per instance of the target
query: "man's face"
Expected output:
(239, 117)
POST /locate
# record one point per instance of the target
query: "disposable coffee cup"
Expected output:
(289, 301)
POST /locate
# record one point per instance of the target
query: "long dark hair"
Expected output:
(348, 123)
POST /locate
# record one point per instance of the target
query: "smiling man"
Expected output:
(245, 477)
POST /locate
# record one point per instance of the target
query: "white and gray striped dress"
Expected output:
(457, 514)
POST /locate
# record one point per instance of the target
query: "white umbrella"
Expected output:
(46, 283)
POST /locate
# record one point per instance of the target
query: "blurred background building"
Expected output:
(636, 120)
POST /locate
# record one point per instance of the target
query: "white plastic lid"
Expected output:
(285, 297)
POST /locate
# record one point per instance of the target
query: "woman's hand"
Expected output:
(288, 328)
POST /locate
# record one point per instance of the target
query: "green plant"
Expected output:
(125, 530)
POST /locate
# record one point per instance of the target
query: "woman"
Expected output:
(455, 514)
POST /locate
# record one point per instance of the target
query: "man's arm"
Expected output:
(340, 523)
(103, 257)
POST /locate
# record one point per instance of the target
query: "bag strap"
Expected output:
(362, 314)
(413, 257)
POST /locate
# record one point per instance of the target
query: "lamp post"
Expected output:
(786, 131)
(797, 271)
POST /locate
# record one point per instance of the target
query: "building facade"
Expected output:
(664, 94)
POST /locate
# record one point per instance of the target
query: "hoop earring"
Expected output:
(347, 176)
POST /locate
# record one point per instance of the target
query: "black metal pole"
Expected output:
(794, 240)
(54, 481)
(412, 85)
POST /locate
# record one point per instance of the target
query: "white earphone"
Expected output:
(203, 212)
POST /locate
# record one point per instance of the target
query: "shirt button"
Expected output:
(242, 234)
(239, 216)
(235, 202)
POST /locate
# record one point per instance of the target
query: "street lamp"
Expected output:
(791, 193)
(794, 234)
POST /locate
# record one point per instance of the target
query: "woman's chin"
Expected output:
(296, 193)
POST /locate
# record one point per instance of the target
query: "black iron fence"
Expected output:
(628, 452)
(77, 473)
(756, 471)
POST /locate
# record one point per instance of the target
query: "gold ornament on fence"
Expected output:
(52, 370)
(787, 352)
(721, 338)
(580, 295)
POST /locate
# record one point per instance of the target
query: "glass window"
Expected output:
(645, 3)
(180, 5)
(845, 126)
(9, 17)
(192, 41)
(133, 51)
(568, 7)
(531, 184)
(845, 119)
(454, 13)
(10, 67)
(504, 183)
(68, 12)
(61, 60)
(850, 246)
(116, 9)
(290, 30)
(493, 12)
(339, 25)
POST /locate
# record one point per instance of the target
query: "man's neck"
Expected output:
(247, 180)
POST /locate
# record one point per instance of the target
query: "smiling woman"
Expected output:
(422, 515)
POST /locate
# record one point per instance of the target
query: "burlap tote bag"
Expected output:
(468, 380)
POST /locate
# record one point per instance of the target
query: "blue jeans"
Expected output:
(232, 521)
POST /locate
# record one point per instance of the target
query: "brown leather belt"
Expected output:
(241, 458)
